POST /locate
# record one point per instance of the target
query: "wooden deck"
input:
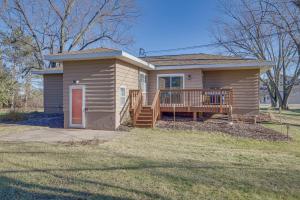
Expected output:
(178, 100)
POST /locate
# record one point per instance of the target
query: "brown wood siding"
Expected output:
(193, 83)
(98, 76)
(53, 93)
(245, 85)
(127, 75)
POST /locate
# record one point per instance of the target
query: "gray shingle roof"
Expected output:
(196, 59)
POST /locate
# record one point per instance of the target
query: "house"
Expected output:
(99, 88)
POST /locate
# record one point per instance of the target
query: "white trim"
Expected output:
(43, 72)
(169, 75)
(218, 66)
(71, 87)
(124, 87)
(82, 56)
(101, 55)
(144, 73)
(139, 62)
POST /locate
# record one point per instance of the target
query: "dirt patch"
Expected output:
(252, 119)
(83, 142)
(125, 127)
(254, 131)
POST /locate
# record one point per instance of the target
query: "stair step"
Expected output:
(146, 107)
(144, 118)
(143, 125)
(146, 111)
(143, 121)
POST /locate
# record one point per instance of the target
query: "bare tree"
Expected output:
(286, 17)
(64, 25)
(252, 31)
(297, 3)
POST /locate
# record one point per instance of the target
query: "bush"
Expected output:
(13, 116)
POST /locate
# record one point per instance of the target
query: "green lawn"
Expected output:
(154, 164)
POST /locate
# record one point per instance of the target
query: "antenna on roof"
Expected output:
(142, 52)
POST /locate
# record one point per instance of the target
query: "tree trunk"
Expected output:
(273, 102)
(14, 92)
(27, 90)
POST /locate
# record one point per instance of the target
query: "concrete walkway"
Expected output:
(54, 135)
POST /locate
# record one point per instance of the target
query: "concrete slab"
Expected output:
(54, 135)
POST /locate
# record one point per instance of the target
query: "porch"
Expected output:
(146, 108)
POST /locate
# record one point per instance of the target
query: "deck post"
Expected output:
(221, 102)
(195, 116)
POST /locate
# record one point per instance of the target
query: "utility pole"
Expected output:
(142, 52)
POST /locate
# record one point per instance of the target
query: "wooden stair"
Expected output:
(143, 116)
(144, 119)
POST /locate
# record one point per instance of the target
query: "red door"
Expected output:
(77, 115)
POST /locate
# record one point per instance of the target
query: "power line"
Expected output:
(214, 44)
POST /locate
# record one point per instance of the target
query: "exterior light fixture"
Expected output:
(75, 81)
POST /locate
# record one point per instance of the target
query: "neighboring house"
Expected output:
(294, 97)
(97, 88)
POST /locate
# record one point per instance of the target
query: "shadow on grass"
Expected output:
(186, 174)
(210, 174)
(54, 120)
(293, 112)
(31, 152)
(11, 188)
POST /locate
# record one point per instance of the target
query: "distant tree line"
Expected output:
(266, 30)
(33, 28)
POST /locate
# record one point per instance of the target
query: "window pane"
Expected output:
(122, 92)
(177, 82)
(122, 96)
(164, 82)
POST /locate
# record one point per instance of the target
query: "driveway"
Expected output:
(43, 127)
(54, 135)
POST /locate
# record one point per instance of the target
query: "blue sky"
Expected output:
(165, 24)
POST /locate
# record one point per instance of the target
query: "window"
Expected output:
(122, 96)
(170, 81)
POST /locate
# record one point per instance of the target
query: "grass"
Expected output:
(291, 116)
(154, 164)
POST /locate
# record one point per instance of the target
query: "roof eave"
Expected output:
(47, 72)
(102, 55)
(228, 66)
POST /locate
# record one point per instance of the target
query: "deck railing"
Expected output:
(155, 107)
(136, 103)
(206, 98)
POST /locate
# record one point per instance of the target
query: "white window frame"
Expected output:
(71, 125)
(122, 87)
(170, 75)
